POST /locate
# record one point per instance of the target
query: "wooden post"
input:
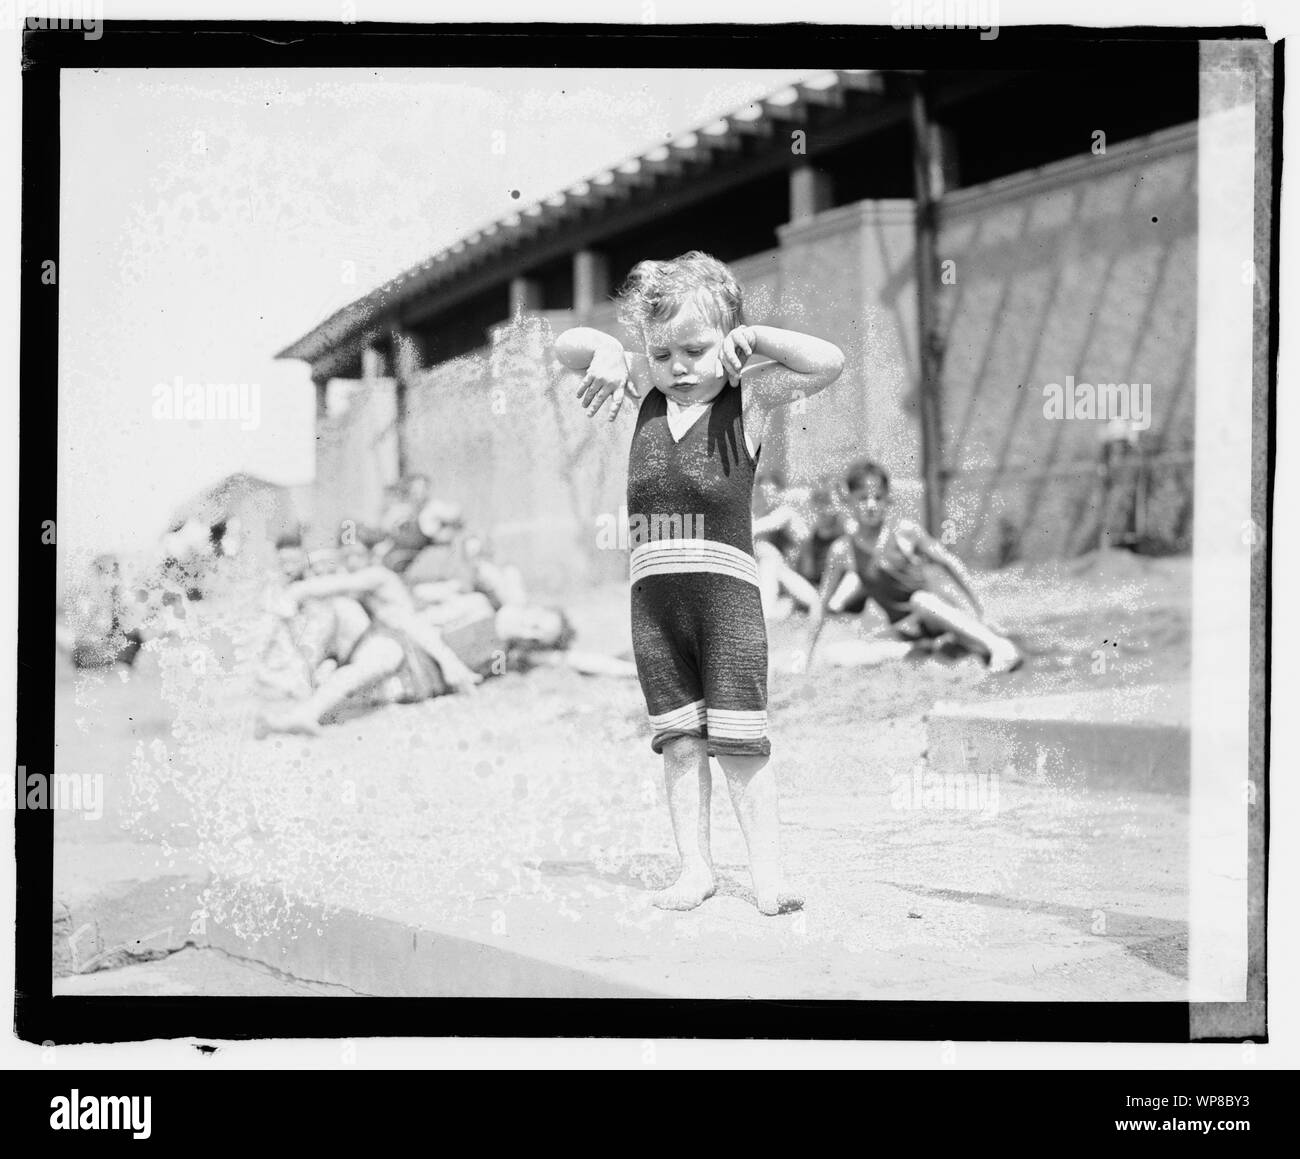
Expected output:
(373, 362)
(811, 192)
(525, 294)
(927, 171)
(590, 280)
(405, 364)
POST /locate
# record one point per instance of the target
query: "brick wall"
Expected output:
(1086, 268)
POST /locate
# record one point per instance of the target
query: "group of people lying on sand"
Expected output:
(844, 551)
(418, 611)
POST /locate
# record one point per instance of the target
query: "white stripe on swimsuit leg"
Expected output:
(737, 724)
(674, 556)
(688, 716)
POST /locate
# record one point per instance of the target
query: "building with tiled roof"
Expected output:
(1056, 236)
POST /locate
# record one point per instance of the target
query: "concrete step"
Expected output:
(1122, 738)
(121, 901)
(135, 913)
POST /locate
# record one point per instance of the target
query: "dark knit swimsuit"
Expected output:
(891, 584)
(697, 622)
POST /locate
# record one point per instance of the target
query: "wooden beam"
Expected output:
(790, 107)
(755, 126)
(861, 80)
(651, 204)
(661, 161)
(924, 165)
(688, 148)
(826, 93)
(859, 120)
(634, 174)
(718, 136)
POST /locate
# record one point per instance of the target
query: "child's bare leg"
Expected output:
(374, 660)
(753, 795)
(686, 776)
(849, 587)
(1002, 654)
(801, 591)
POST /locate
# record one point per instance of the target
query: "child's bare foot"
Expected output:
(1005, 657)
(778, 900)
(693, 886)
(771, 893)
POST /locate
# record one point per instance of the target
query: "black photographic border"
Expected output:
(39, 1017)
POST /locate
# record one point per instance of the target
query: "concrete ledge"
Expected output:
(1136, 738)
(388, 958)
(140, 920)
(143, 920)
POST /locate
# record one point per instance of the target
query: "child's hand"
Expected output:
(607, 378)
(736, 347)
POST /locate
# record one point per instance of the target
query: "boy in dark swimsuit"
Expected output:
(827, 526)
(889, 562)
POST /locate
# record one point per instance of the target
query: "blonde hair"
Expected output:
(655, 291)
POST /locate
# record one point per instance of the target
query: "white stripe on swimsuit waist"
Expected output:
(688, 716)
(675, 556)
(737, 724)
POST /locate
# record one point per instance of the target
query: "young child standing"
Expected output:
(697, 619)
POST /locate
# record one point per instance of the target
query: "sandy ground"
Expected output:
(533, 811)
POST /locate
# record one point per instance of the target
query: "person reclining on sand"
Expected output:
(389, 604)
(522, 637)
(299, 645)
(889, 563)
(392, 666)
(397, 650)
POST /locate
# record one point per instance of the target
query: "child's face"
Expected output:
(684, 355)
(825, 518)
(870, 502)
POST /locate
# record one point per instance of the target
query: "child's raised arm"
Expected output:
(797, 366)
(609, 371)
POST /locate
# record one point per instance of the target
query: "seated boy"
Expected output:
(889, 563)
(827, 524)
